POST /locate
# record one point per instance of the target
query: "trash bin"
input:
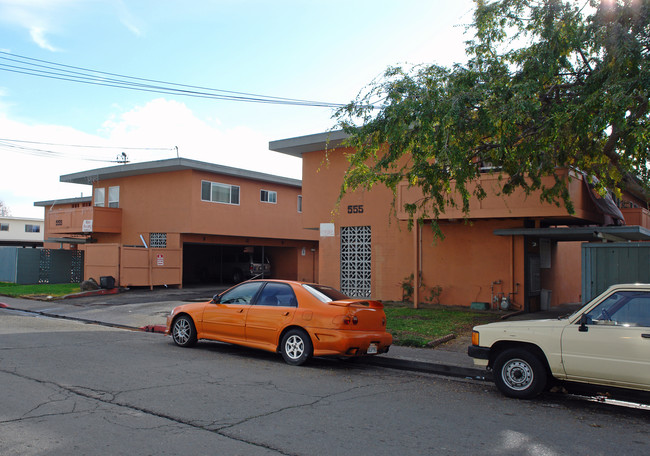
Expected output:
(107, 282)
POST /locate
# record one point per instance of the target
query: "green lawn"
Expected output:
(418, 327)
(44, 289)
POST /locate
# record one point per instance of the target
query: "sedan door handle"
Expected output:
(645, 336)
(286, 314)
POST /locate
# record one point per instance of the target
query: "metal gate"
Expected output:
(356, 261)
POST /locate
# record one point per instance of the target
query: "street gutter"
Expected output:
(379, 360)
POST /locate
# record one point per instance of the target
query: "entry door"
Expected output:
(227, 319)
(356, 264)
(615, 348)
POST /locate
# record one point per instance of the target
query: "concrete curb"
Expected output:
(380, 361)
(65, 317)
(428, 368)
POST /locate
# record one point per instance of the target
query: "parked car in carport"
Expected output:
(605, 343)
(296, 319)
(245, 265)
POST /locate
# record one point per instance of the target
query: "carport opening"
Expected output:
(224, 264)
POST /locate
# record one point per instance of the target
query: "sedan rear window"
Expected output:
(324, 293)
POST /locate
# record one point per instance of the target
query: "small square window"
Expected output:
(4, 227)
(268, 196)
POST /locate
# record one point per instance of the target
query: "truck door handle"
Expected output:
(645, 336)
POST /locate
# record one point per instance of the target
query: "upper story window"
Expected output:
(32, 228)
(113, 196)
(100, 197)
(267, 196)
(299, 203)
(4, 227)
(219, 193)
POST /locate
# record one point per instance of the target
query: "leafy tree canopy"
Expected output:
(547, 84)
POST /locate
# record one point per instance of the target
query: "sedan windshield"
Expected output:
(325, 294)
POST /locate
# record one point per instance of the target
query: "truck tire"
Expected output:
(519, 373)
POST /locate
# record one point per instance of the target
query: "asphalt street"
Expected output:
(144, 309)
(71, 388)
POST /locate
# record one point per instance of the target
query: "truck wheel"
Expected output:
(519, 373)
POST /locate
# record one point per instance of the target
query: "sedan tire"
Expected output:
(183, 331)
(296, 347)
(519, 373)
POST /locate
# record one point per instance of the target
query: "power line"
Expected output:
(85, 146)
(57, 71)
(14, 145)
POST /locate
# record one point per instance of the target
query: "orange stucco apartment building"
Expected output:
(180, 221)
(513, 250)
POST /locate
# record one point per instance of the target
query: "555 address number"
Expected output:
(355, 209)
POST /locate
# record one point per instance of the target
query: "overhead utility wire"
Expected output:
(48, 153)
(70, 73)
(84, 146)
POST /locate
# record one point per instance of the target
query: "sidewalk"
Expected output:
(147, 311)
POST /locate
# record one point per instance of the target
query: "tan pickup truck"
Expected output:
(606, 342)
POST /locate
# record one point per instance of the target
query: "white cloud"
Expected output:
(127, 19)
(26, 178)
(169, 124)
(38, 35)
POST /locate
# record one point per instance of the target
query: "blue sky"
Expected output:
(310, 49)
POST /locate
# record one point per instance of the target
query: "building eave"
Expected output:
(171, 165)
(582, 233)
(309, 143)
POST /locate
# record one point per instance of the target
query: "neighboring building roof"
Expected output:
(169, 165)
(310, 143)
(81, 199)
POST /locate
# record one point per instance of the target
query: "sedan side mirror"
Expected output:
(583, 323)
(216, 299)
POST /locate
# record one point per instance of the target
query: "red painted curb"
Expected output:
(99, 292)
(3, 305)
(154, 328)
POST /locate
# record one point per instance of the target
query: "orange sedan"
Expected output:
(298, 320)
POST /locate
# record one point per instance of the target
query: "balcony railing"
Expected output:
(515, 205)
(637, 216)
(84, 220)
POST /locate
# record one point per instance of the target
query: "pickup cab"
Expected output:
(605, 343)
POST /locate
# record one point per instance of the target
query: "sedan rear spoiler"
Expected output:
(358, 302)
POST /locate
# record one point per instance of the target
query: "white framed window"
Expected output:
(113, 196)
(219, 193)
(268, 196)
(32, 228)
(4, 227)
(100, 197)
(300, 203)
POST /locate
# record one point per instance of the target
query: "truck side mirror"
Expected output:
(583, 323)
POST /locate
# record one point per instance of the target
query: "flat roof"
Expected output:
(582, 233)
(309, 143)
(170, 165)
